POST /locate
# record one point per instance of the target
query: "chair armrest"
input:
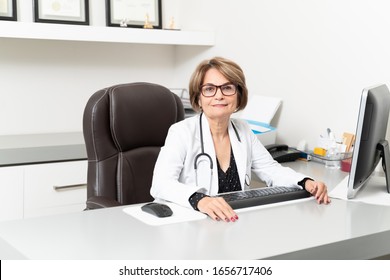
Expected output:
(96, 202)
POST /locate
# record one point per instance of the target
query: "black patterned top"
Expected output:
(229, 181)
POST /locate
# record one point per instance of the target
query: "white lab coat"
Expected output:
(174, 176)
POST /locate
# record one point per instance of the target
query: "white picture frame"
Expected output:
(62, 11)
(134, 13)
(8, 10)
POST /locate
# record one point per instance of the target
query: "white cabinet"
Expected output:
(11, 193)
(55, 188)
(42, 189)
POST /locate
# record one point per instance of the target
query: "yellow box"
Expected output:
(319, 151)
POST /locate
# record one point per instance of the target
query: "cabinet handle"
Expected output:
(58, 188)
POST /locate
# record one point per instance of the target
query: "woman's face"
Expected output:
(218, 106)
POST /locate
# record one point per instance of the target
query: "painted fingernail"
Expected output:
(232, 219)
(227, 220)
(217, 219)
(236, 217)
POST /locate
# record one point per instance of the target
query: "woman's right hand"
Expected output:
(217, 209)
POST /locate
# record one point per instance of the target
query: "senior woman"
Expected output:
(212, 153)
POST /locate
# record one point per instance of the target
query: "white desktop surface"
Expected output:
(302, 230)
(374, 192)
(180, 214)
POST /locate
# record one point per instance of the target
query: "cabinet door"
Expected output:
(55, 188)
(11, 193)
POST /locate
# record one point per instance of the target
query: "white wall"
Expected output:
(46, 84)
(316, 55)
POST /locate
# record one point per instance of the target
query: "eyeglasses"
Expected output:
(209, 90)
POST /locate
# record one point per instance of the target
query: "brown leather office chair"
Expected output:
(124, 128)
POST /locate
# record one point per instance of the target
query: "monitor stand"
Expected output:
(383, 147)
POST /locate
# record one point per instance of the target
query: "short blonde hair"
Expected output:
(229, 69)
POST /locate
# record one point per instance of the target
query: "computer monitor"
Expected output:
(370, 144)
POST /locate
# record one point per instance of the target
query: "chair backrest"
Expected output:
(124, 128)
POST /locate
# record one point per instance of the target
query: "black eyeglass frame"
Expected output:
(218, 87)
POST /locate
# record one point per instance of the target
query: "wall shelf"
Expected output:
(45, 31)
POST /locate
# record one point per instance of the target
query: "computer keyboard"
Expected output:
(261, 196)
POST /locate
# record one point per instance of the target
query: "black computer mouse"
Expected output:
(157, 209)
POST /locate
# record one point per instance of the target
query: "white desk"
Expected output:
(301, 230)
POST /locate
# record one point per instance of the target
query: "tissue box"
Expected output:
(264, 132)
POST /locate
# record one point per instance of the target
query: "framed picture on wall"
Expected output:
(8, 10)
(134, 13)
(62, 11)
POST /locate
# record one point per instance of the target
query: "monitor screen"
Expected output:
(370, 144)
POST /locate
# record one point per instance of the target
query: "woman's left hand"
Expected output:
(318, 190)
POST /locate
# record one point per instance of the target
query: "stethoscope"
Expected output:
(208, 157)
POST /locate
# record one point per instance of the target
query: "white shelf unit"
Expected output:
(67, 32)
